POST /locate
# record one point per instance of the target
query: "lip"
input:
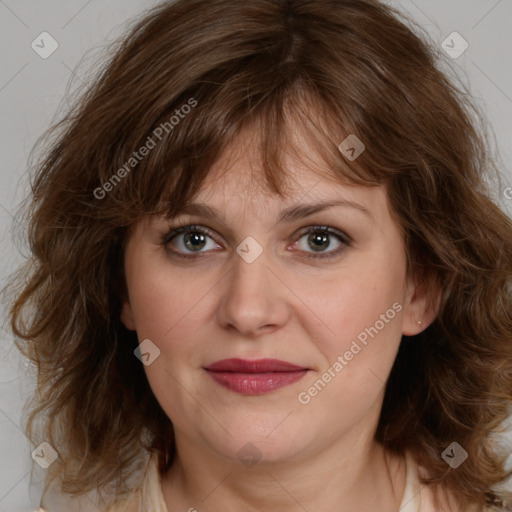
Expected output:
(255, 377)
(253, 366)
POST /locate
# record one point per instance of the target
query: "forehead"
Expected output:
(237, 177)
(240, 165)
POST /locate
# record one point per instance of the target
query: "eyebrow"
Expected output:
(288, 215)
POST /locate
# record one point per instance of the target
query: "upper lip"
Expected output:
(253, 366)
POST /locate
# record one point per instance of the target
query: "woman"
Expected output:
(279, 208)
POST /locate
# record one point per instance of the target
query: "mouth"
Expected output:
(255, 377)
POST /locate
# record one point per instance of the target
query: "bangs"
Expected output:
(290, 121)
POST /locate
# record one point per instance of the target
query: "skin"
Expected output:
(320, 456)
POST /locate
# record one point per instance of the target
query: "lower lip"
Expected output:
(256, 383)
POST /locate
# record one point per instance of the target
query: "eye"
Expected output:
(190, 239)
(320, 238)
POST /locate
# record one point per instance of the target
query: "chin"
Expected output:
(252, 443)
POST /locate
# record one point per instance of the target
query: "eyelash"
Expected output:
(172, 233)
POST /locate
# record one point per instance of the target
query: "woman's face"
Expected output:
(334, 303)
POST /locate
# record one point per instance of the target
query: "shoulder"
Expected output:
(420, 497)
(146, 494)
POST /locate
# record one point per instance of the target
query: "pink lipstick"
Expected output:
(255, 377)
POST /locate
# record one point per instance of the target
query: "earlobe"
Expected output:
(127, 316)
(421, 308)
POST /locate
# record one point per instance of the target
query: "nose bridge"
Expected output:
(251, 298)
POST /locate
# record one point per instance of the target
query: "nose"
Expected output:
(254, 299)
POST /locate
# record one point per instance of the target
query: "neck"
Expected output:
(346, 477)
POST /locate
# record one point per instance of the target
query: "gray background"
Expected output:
(33, 88)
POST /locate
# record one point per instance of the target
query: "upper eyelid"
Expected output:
(298, 214)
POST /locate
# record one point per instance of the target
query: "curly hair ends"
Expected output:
(337, 67)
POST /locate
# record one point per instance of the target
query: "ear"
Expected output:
(422, 302)
(127, 315)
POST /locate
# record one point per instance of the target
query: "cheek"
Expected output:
(349, 303)
(167, 309)
(165, 300)
(360, 339)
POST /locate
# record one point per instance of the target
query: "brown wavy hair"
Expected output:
(333, 68)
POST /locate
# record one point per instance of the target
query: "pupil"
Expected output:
(320, 241)
(194, 240)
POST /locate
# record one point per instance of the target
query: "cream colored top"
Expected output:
(149, 498)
